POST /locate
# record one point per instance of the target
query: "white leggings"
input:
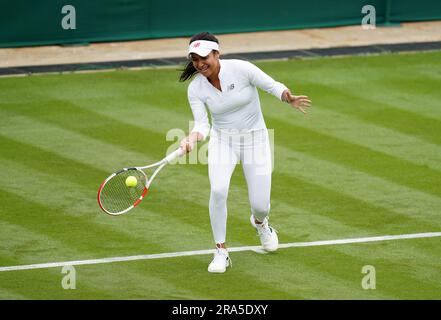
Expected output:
(253, 151)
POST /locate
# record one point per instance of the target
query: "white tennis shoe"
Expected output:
(220, 261)
(267, 234)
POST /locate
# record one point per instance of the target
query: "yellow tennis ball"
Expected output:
(131, 181)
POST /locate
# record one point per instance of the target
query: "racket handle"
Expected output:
(172, 156)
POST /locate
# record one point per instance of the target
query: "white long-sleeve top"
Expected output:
(237, 106)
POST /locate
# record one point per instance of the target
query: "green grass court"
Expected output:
(365, 161)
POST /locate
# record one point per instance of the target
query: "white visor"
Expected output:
(202, 47)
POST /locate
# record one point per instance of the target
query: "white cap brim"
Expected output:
(200, 51)
(202, 47)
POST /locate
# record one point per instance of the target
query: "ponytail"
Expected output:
(188, 72)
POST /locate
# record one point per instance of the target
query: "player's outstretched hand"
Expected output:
(298, 102)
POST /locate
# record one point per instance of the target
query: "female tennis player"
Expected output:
(228, 89)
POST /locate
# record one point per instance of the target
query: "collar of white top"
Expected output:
(202, 47)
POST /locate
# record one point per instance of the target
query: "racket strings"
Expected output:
(116, 196)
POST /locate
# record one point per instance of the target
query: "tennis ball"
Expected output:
(131, 182)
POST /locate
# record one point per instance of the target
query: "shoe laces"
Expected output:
(265, 230)
(222, 254)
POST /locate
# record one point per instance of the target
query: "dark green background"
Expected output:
(26, 22)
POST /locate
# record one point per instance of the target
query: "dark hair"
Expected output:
(189, 70)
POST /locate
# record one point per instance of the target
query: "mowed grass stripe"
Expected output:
(349, 173)
(391, 215)
(328, 221)
(326, 209)
(92, 85)
(164, 199)
(315, 263)
(143, 286)
(158, 132)
(37, 240)
(167, 191)
(26, 245)
(164, 182)
(172, 209)
(43, 160)
(428, 147)
(63, 166)
(290, 279)
(303, 274)
(142, 114)
(381, 114)
(39, 179)
(114, 138)
(345, 173)
(352, 130)
(304, 224)
(369, 76)
(361, 219)
(6, 294)
(18, 130)
(46, 285)
(325, 121)
(53, 222)
(82, 236)
(105, 125)
(360, 185)
(418, 261)
(21, 243)
(405, 96)
(306, 278)
(45, 192)
(282, 160)
(102, 155)
(185, 271)
(357, 157)
(116, 282)
(331, 262)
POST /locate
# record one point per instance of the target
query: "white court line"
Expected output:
(210, 251)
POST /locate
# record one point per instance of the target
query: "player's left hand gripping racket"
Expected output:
(116, 197)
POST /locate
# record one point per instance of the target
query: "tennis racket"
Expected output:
(124, 190)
